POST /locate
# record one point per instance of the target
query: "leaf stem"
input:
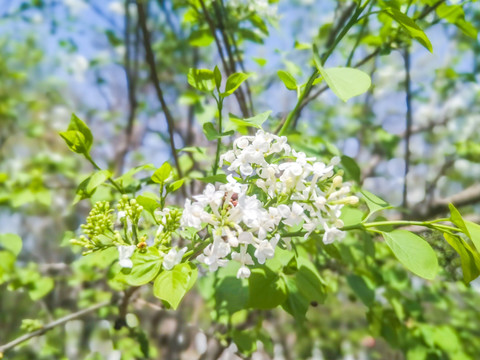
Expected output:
(113, 182)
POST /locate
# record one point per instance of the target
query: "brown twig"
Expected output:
(150, 58)
(50, 326)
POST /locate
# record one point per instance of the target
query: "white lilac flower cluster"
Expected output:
(271, 189)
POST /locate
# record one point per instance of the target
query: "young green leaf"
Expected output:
(469, 228)
(40, 288)
(200, 38)
(454, 14)
(409, 25)
(374, 203)
(172, 285)
(233, 83)
(146, 265)
(149, 201)
(11, 242)
(218, 77)
(88, 186)
(473, 232)
(254, 121)
(201, 79)
(413, 252)
(78, 125)
(346, 82)
(212, 134)
(175, 185)
(75, 141)
(162, 173)
(469, 258)
(351, 167)
(287, 79)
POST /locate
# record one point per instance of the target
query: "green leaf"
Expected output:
(146, 265)
(413, 252)
(233, 83)
(78, 125)
(246, 341)
(127, 178)
(218, 77)
(361, 289)
(212, 134)
(346, 82)
(267, 289)
(200, 38)
(149, 201)
(351, 216)
(351, 167)
(255, 121)
(7, 265)
(309, 282)
(11, 242)
(374, 203)
(201, 79)
(456, 218)
(260, 61)
(88, 186)
(75, 141)
(473, 232)
(409, 25)
(40, 288)
(175, 185)
(296, 304)
(172, 285)
(78, 136)
(469, 228)
(162, 173)
(287, 79)
(469, 259)
(454, 14)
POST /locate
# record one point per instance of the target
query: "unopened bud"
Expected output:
(352, 200)
(337, 181)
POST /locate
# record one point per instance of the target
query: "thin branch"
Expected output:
(408, 124)
(228, 70)
(123, 307)
(468, 196)
(308, 98)
(150, 58)
(50, 326)
(131, 80)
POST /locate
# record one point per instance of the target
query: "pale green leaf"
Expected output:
(11, 242)
(172, 285)
(287, 79)
(201, 79)
(413, 252)
(410, 26)
(146, 265)
(233, 83)
(162, 173)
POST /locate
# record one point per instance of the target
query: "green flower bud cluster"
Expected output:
(99, 221)
(130, 209)
(98, 228)
(172, 218)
